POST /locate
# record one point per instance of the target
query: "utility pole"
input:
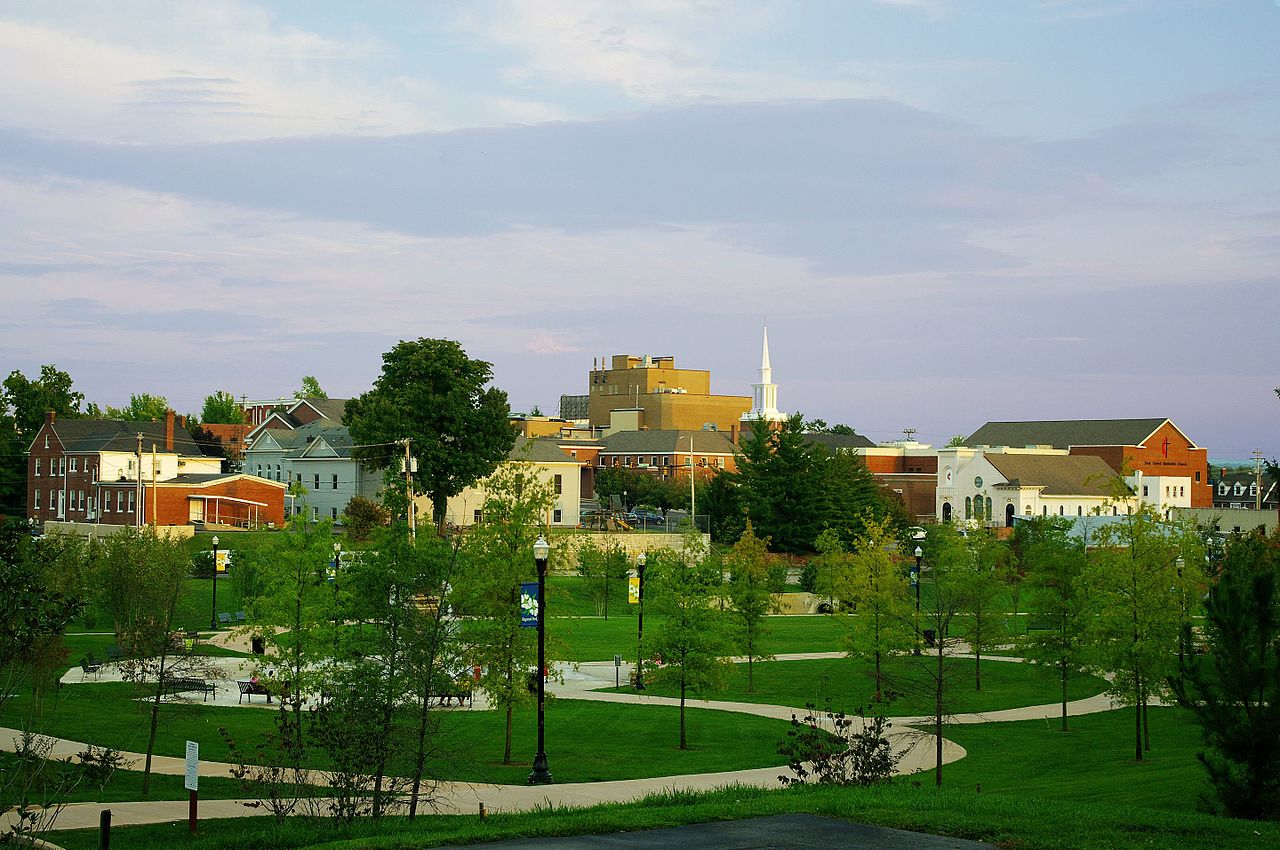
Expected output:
(693, 502)
(137, 487)
(408, 488)
(154, 504)
(1257, 478)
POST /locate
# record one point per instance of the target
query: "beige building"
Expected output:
(650, 393)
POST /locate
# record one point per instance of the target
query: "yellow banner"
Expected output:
(633, 590)
(224, 557)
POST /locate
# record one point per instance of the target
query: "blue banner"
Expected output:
(529, 605)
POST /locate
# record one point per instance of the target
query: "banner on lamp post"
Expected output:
(223, 559)
(633, 590)
(529, 605)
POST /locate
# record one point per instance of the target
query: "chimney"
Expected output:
(168, 430)
(50, 416)
(182, 421)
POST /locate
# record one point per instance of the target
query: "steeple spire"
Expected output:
(765, 392)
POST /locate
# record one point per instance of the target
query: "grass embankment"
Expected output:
(848, 684)
(593, 741)
(595, 639)
(1026, 824)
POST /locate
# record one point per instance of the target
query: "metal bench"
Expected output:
(248, 689)
(175, 686)
(224, 619)
(89, 665)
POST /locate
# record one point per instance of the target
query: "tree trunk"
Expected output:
(1146, 723)
(977, 669)
(684, 745)
(937, 707)
(1137, 719)
(151, 737)
(1063, 664)
(878, 689)
(506, 752)
(750, 680)
(420, 757)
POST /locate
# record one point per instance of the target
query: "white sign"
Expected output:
(192, 781)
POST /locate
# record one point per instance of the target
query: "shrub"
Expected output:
(362, 516)
(848, 753)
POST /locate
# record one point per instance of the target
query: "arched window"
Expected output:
(1079, 510)
(968, 507)
(1061, 510)
(1045, 510)
(988, 514)
(1028, 510)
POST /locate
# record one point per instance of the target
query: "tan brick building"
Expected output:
(636, 393)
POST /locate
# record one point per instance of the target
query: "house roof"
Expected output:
(330, 408)
(667, 442)
(1065, 433)
(835, 442)
(540, 450)
(115, 435)
(1058, 475)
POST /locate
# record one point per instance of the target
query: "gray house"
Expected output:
(316, 456)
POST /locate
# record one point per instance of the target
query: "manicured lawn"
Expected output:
(848, 684)
(126, 785)
(1025, 824)
(193, 611)
(584, 736)
(594, 639)
(1092, 763)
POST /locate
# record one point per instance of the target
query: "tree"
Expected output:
(152, 571)
(1234, 692)
(980, 582)
(23, 404)
(221, 408)
(432, 394)
(142, 407)
(869, 578)
(692, 638)
(362, 516)
(601, 567)
(750, 595)
(1057, 600)
(957, 441)
(498, 555)
(1141, 571)
(310, 388)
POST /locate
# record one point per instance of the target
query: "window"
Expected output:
(1028, 510)
(988, 513)
(335, 482)
(1166, 491)
(666, 460)
(36, 501)
(573, 453)
(1114, 512)
(1182, 491)
(1223, 489)
(968, 507)
(559, 485)
(688, 461)
(334, 514)
(317, 481)
(119, 501)
(556, 515)
(62, 466)
(653, 461)
(132, 508)
(73, 464)
(1197, 476)
(476, 516)
(80, 499)
(53, 499)
(1060, 510)
(46, 443)
(625, 462)
(1079, 510)
(1045, 511)
(1144, 490)
(37, 467)
(720, 463)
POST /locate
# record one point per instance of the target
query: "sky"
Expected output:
(946, 211)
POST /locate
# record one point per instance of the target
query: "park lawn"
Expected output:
(1092, 763)
(847, 683)
(596, 639)
(590, 741)
(195, 607)
(1024, 824)
(126, 785)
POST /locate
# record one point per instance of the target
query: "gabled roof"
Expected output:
(115, 435)
(667, 442)
(329, 408)
(1057, 475)
(540, 450)
(835, 442)
(1065, 433)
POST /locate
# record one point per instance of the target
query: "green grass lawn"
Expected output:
(193, 612)
(595, 639)
(126, 785)
(848, 685)
(583, 735)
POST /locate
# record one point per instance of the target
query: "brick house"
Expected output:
(87, 470)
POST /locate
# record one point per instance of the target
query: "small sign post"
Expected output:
(617, 671)
(192, 783)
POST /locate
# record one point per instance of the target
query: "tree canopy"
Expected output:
(142, 407)
(310, 388)
(221, 408)
(23, 404)
(431, 393)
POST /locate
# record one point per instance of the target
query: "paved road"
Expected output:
(779, 832)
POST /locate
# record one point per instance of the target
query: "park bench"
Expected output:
(224, 619)
(89, 665)
(248, 689)
(178, 685)
(240, 617)
(448, 693)
(114, 655)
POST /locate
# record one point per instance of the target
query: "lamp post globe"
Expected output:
(541, 775)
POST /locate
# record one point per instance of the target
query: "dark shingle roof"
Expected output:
(114, 435)
(1059, 475)
(1063, 434)
(330, 408)
(668, 442)
(835, 442)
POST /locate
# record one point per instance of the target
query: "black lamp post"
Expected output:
(213, 609)
(337, 560)
(541, 775)
(1182, 619)
(915, 582)
(640, 559)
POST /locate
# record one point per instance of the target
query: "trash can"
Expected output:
(257, 645)
(928, 637)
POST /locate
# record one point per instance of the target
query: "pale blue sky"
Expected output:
(948, 211)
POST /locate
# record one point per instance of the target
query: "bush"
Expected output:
(97, 764)
(849, 753)
(809, 577)
(362, 516)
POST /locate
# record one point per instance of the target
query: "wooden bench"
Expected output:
(248, 689)
(175, 686)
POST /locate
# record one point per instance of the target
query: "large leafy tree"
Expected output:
(431, 393)
(23, 404)
(142, 407)
(1057, 599)
(221, 408)
(1141, 572)
(1235, 692)
(310, 388)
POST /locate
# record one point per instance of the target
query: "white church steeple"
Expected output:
(765, 393)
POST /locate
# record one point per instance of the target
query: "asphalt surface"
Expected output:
(783, 832)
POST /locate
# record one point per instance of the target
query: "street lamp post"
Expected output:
(541, 775)
(213, 609)
(915, 582)
(1182, 620)
(640, 559)
(337, 561)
